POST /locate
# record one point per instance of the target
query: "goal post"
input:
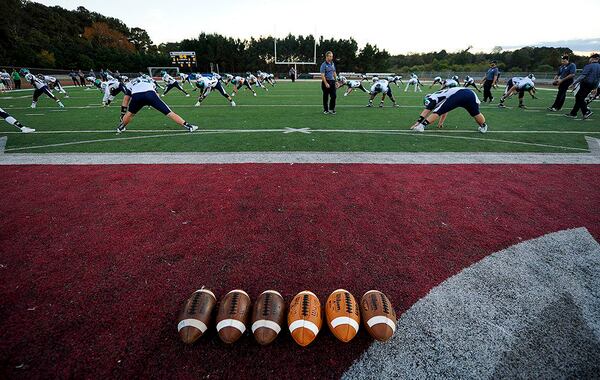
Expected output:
(293, 61)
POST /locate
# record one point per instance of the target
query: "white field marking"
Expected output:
(96, 141)
(34, 114)
(299, 130)
(58, 110)
(442, 131)
(410, 133)
(2, 144)
(386, 132)
(267, 105)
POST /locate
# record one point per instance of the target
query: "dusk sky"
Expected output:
(396, 26)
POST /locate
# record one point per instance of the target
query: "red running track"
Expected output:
(96, 261)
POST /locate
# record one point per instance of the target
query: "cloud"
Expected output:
(578, 45)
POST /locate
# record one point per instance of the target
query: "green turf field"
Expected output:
(289, 118)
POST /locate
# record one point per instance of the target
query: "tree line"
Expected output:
(53, 37)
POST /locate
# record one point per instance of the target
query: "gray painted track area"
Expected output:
(529, 311)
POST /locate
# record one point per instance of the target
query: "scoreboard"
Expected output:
(183, 59)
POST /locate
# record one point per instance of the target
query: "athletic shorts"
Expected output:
(464, 99)
(148, 98)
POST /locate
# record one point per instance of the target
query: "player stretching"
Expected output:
(40, 88)
(206, 85)
(53, 84)
(470, 82)
(171, 83)
(518, 85)
(450, 83)
(12, 121)
(396, 79)
(351, 84)
(438, 104)
(414, 81)
(252, 80)
(381, 86)
(238, 82)
(436, 80)
(142, 92)
(112, 88)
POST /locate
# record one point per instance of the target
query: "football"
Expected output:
(233, 315)
(268, 316)
(378, 315)
(196, 315)
(343, 315)
(304, 318)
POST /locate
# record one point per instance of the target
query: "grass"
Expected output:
(354, 128)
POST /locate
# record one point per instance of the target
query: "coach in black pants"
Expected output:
(588, 81)
(563, 79)
(489, 81)
(328, 76)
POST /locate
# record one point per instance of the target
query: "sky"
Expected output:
(397, 26)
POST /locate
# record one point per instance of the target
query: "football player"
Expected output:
(450, 83)
(112, 88)
(470, 82)
(185, 78)
(226, 79)
(351, 84)
(238, 82)
(396, 79)
(12, 121)
(142, 92)
(518, 85)
(414, 81)
(207, 84)
(265, 77)
(171, 83)
(381, 86)
(252, 80)
(39, 87)
(53, 84)
(438, 104)
(436, 80)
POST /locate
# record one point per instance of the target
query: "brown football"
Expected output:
(304, 318)
(196, 315)
(343, 315)
(268, 317)
(233, 315)
(378, 315)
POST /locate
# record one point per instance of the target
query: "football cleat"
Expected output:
(197, 104)
(570, 116)
(121, 128)
(587, 115)
(187, 95)
(192, 128)
(33, 105)
(232, 103)
(61, 105)
(482, 129)
(419, 128)
(501, 105)
(27, 130)
(254, 94)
